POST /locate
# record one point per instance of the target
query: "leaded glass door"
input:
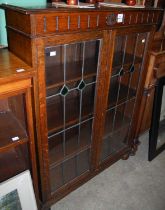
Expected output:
(124, 81)
(71, 76)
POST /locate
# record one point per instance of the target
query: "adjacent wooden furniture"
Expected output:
(155, 72)
(17, 147)
(90, 71)
(149, 117)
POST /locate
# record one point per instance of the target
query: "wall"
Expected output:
(3, 38)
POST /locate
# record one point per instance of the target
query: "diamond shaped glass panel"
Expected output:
(81, 85)
(64, 90)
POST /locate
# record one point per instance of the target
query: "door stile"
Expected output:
(42, 121)
(102, 96)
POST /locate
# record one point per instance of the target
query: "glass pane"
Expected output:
(141, 42)
(68, 62)
(74, 60)
(124, 87)
(83, 162)
(56, 148)
(71, 142)
(109, 121)
(14, 161)
(128, 111)
(65, 172)
(121, 89)
(118, 54)
(134, 79)
(53, 91)
(55, 113)
(85, 133)
(88, 95)
(56, 177)
(130, 48)
(116, 129)
(12, 120)
(91, 57)
(54, 65)
(117, 118)
(69, 169)
(113, 143)
(113, 91)
(70, 107)
(124, 81)
(161, 131)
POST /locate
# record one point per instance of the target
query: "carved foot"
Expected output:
(125, 156)
(134, 148)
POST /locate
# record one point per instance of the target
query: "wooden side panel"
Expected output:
(156, 69)
(159, 68)
(19, 21)
(20, 45)
(147, 102)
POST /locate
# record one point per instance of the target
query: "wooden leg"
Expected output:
(125, 156)
(135, 147)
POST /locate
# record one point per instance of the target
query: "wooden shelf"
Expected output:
(129, 60)
(119, 124)
(55, 74)
(10, 127)
(114, 142)
(111, 145)
(72, 107)
(15, 161)
(126, 68)
(70, 123)
(9, 63)
(70, 169)
(68, 82)
(67, 157)
(72, 144)
(122, 95)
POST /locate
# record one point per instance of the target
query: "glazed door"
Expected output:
(157, 131)
(17, 151)
(71, 73)
(126, 73)
(14, 154)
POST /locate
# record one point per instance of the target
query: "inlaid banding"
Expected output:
(89, 21)
(142, 17)
(45, 24)
(68, 22)
(136, 20)
(97, 21)
(79, 22)
(57, 22)
(148, 15)
(153, 15)
(130, 18)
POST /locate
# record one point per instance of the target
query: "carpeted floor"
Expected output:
(135, 184)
